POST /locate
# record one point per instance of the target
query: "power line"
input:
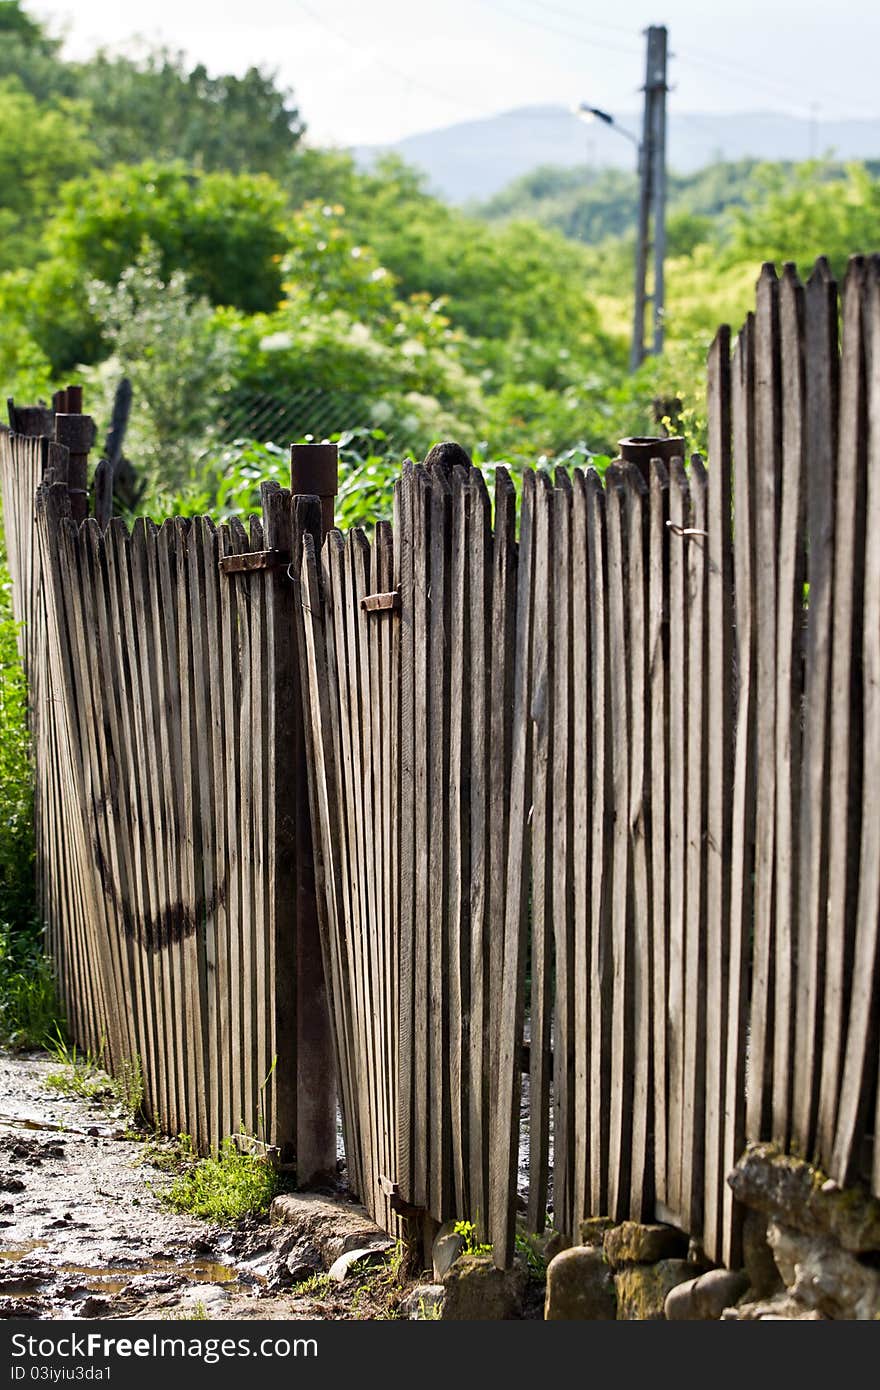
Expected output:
(555, 29)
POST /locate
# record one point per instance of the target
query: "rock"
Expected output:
(705, 1298)
(302, 1260)
(447, 1247)
(423, 1303)
(475, 1290)
(822, 1277)
(370, 1255)
(580, 1287)
(781, 1308)
(798, 1195)
(556, 1241)
(760, 1266)
(94, 1307)
(642, 1289)
(592, 1230)
(331, 1227)
(680, 1304)
(634, 1244)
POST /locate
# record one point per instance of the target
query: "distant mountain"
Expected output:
(474, 159)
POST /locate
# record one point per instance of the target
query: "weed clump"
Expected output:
(225, 1186)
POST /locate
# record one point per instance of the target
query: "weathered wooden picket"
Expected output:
(607, 796)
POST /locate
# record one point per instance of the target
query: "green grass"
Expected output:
(314, 1286)
(29, 1008)
(79, 1073)
(225, 1186)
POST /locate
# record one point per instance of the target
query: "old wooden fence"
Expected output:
(174, 863)
(593, 805)
(589, 776)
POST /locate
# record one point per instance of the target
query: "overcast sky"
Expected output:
(368, 71)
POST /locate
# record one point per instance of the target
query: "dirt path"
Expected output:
(83, 1234)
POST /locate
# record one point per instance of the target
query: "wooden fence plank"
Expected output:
(845, 768)
(719, 787)
(822, 350)
(334, 575)
(855, 1120)
(743, 804)
(639, 829)
(420, 831)
(601, 882)
(192, 948)
(789, 689)
(458, 864)
(679, 647)
(768, 451)
(561, 851)
(621, 942)
(541, 716)
(510, 1015)
(695, 1017)
(581, 722)
(437, 729)
(359, 558)
(404, 529)
(658, 675)
(501, 704)
(127, 709)
(482, 823)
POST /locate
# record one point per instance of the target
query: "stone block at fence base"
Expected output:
(705, 1298)
(580, 1287)
(642, 1289)
(592, 1229)
(631, 1243)
(332, 1227)
(757, 1258)
(475, 1290)
(424, 1303)
(793, 1192)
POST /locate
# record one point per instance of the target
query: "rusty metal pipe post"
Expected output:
(314, 471)
(77, 432)
(641, 448)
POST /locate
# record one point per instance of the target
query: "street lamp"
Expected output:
(590, 113)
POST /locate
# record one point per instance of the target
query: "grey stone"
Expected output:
(680, 1304)
(332, 1227)
(580, 1287)
(758, 1261)
(447, 1247)
(824, 1278)
(341, 1268)
(475, 1290)
(780, 1308)
(797, 1194)
(642, 1289)
(632, 1243)
(705, 1298)
(423, 1303)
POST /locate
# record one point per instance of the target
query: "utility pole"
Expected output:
(652, 199)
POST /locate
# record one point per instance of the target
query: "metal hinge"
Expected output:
(381, 603)
(250, 560)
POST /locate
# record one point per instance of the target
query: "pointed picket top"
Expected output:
(821, 273)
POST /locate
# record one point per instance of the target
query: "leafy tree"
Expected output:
(164, 340)
(155, 109)
(225, 232)
(41, 146)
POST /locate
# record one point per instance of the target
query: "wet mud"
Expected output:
(83, 1233)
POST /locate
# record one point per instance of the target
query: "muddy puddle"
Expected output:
(83, 1233)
